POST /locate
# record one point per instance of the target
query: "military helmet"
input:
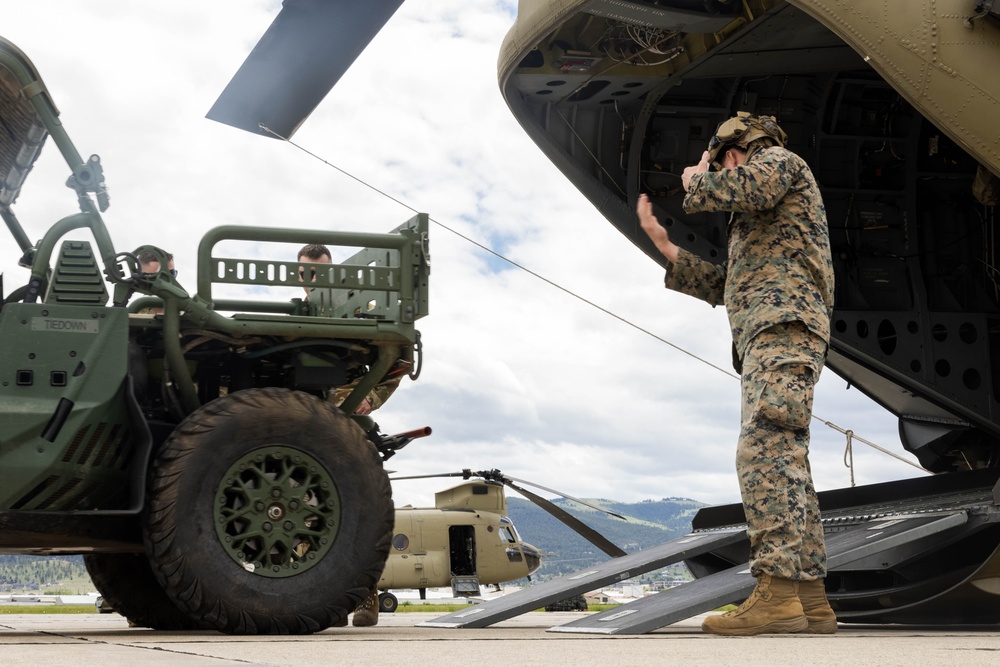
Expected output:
(741, 130)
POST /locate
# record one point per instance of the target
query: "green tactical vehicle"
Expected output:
(193, 455)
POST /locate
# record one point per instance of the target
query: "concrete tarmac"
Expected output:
(92, 640)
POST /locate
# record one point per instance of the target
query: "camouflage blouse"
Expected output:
(779, 267)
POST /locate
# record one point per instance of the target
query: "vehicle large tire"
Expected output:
(128, 585)
(268, 513)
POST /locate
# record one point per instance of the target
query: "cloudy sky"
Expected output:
(518, 375)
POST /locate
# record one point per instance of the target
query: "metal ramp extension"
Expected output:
(656, 611)
(612, 571)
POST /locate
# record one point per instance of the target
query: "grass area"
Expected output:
(89, 608)
(47, 609)
(405, 608)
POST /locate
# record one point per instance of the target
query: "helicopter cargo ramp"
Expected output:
(843, 548)
(893, 524)
(608, 572)
(846, 545)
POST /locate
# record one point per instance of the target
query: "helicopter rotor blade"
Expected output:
(568, 497)
(440, 474)
(301, 56)
(465, 474)
(583, 529)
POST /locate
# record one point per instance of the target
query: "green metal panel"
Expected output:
(77, 278)
(387, 279)
(65, 440)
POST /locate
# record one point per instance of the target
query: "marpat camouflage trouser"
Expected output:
(780, 369)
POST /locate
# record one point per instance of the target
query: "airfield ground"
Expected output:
(92, 640)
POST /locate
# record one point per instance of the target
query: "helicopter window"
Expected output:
(506, 534)
(507, 526)
(400, 542)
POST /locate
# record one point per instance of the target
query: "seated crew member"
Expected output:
(366, 613)
(316, 254)
(376, 398)
(149, 264)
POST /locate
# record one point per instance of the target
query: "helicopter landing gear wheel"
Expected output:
(129, 587)
(269, 513)
(387, 603)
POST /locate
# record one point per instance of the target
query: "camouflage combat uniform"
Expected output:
(383, 390)
(376, 397)
(777, 286)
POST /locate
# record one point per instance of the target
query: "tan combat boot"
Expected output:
(772, 608)
(366, 613)
(822, 620)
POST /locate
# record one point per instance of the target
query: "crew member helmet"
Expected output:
(741, 130)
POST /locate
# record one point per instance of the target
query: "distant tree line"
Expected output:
(31, 573)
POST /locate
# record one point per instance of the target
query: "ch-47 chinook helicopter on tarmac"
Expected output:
(467, 540)
(894, 104)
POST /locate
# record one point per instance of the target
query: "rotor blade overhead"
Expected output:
(302, 55)
(583, 529)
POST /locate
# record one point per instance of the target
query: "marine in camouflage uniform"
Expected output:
(777, 286)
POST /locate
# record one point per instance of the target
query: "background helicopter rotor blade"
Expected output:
(567, 497)
(583, 529)
(465, 474)
(304, 52)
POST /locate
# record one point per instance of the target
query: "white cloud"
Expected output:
(518, 375)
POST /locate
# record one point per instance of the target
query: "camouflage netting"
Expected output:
(21, 137)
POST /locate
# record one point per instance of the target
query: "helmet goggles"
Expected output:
(740, 131)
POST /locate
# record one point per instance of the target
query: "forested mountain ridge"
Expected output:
(650, 522)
